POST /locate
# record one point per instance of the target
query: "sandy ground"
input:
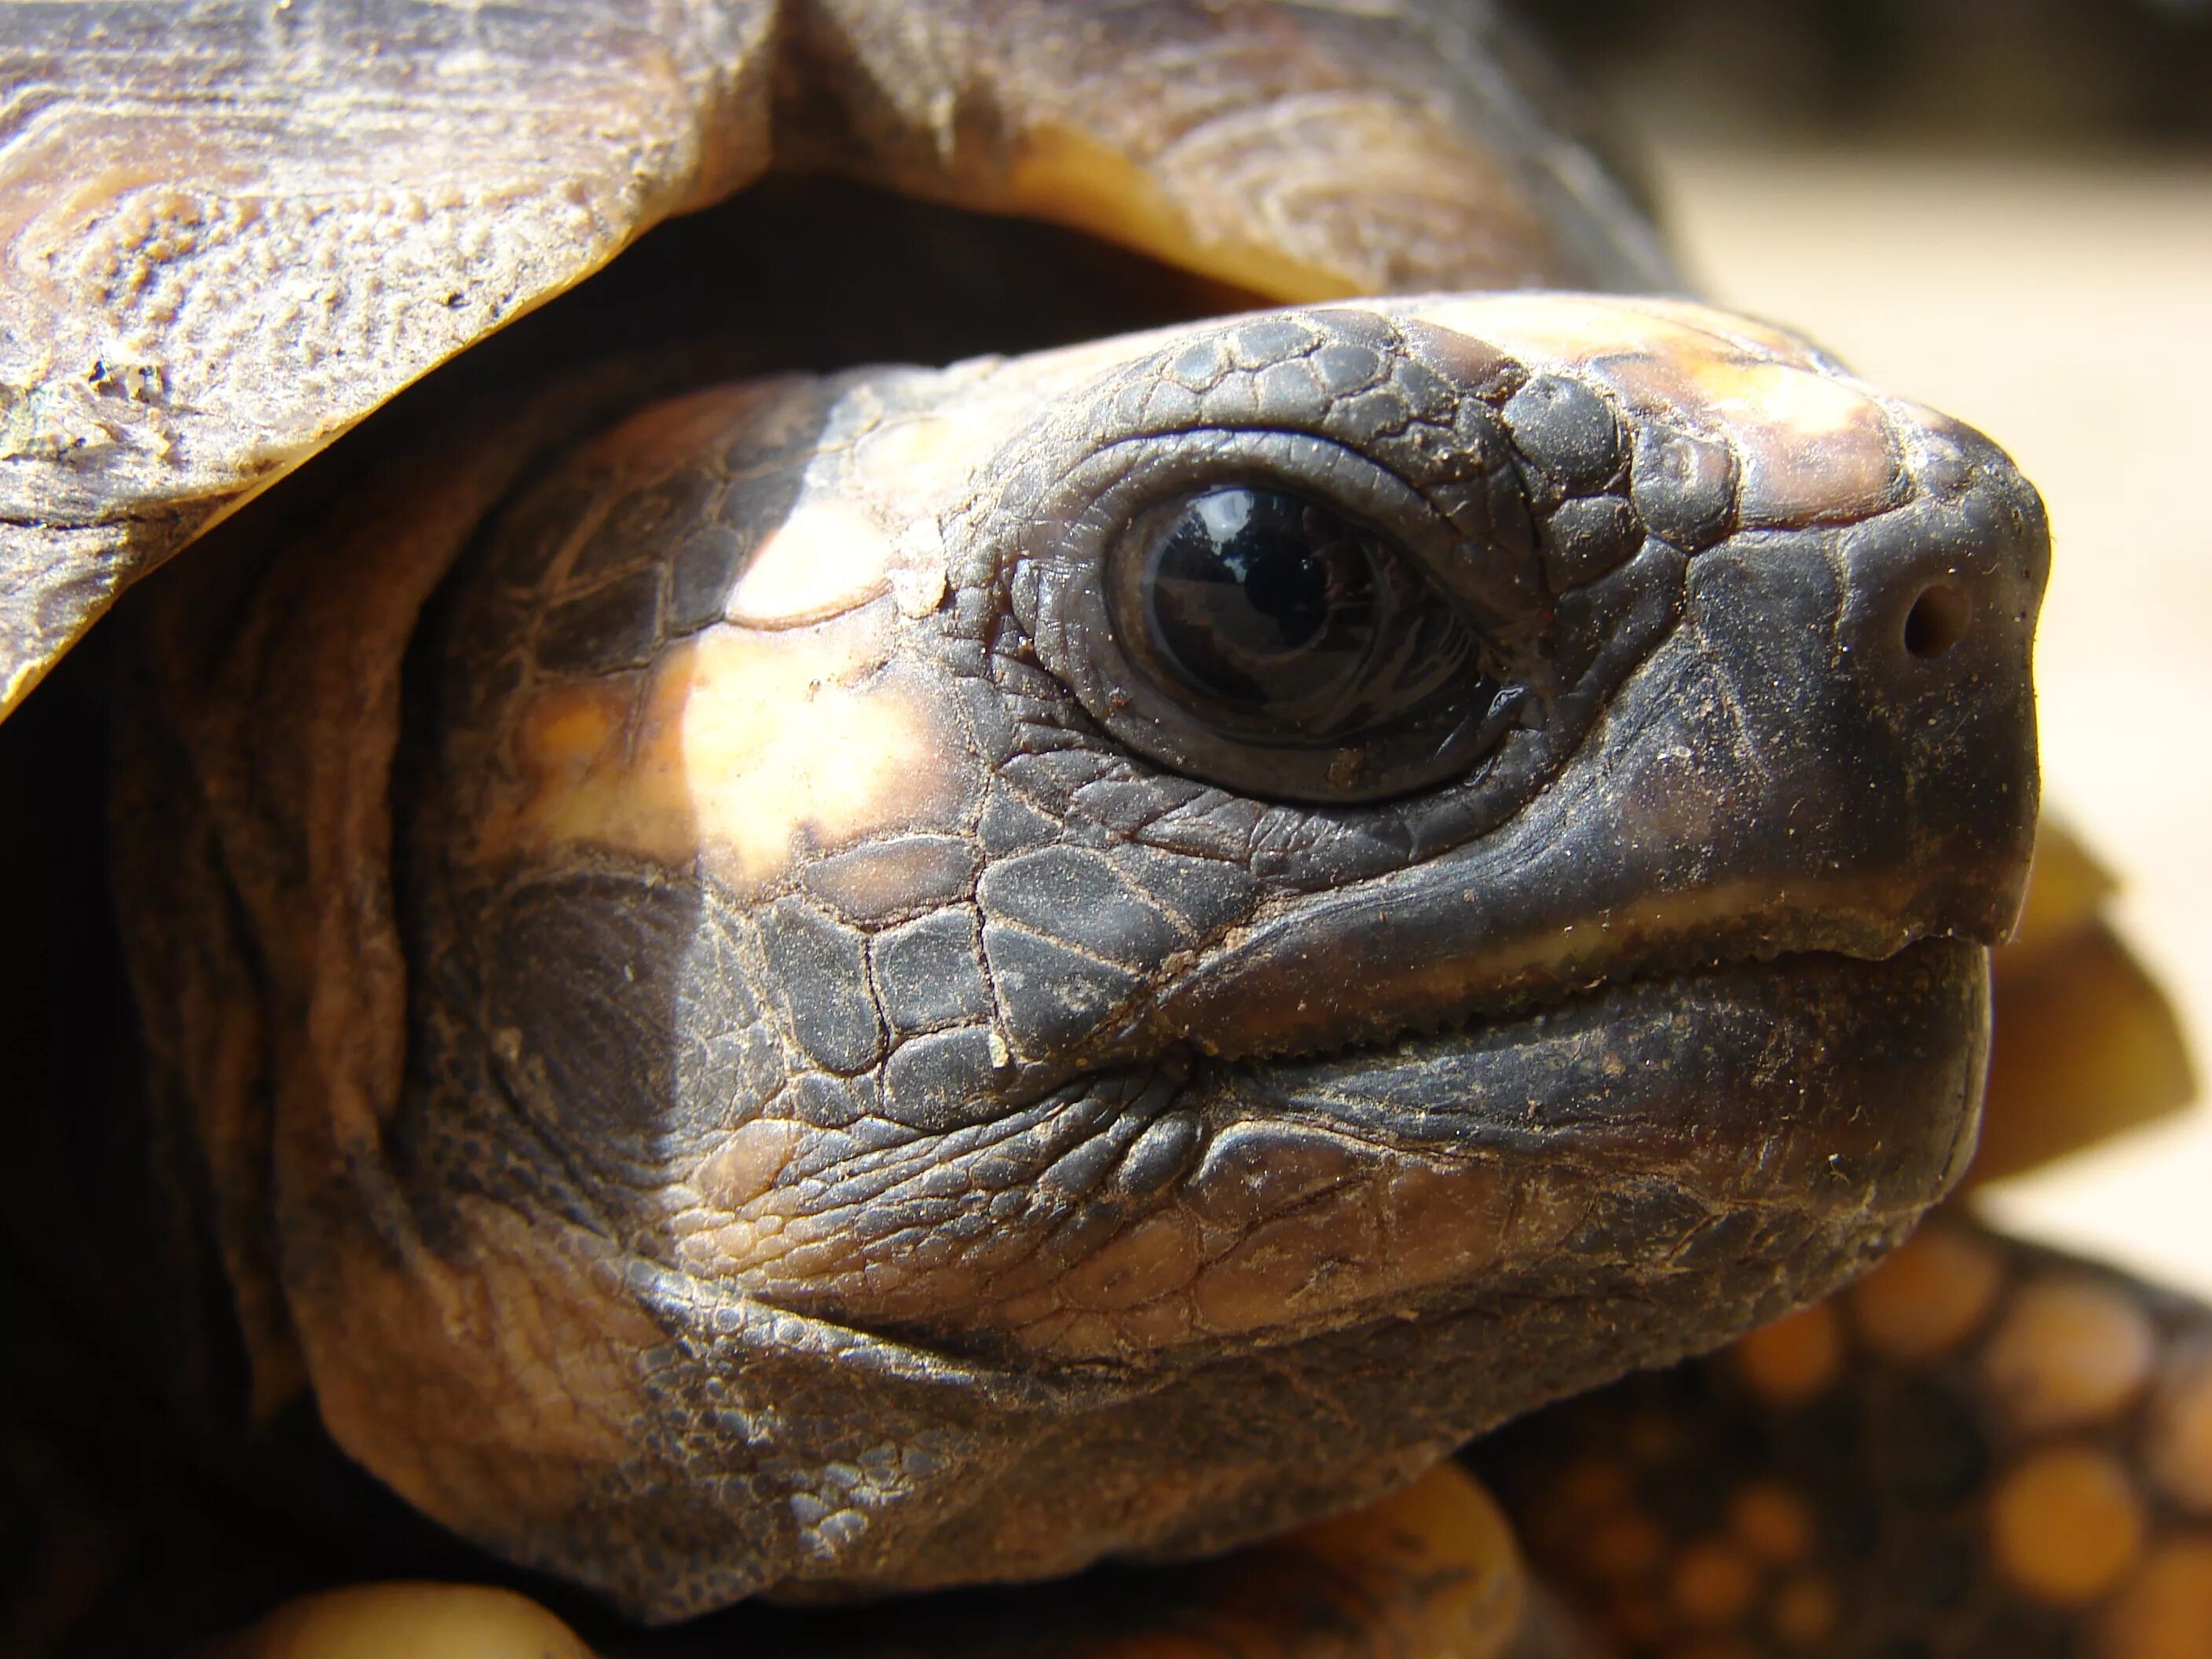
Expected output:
(2065, 307)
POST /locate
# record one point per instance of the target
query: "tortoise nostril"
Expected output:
(1937, 620)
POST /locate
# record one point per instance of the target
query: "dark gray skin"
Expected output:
(727, 1028)
(1041, 1151)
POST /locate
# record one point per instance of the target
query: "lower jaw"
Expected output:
(1618, 1180)
(1668, 1129)
(1654, 1130)
(1812, 1077)
(1232, 1447)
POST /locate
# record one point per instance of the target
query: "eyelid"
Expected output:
(1421, 458)
(1151, 470)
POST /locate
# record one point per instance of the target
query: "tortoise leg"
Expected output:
(1984, 1451)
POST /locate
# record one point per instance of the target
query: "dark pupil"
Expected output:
(1261, 597)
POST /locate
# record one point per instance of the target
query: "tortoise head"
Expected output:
(1093, 953)
(917, 976)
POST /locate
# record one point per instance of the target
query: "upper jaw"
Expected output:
(1779, 775)
(1764, 754)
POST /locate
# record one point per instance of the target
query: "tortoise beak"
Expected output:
(1833, 751)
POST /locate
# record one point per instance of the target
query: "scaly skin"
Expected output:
(868, 1111)
(861, 1089)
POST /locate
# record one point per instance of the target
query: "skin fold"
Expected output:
(860, 1063)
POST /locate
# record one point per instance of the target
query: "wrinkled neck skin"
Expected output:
(891, 1097)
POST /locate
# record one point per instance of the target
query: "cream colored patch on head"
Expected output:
(912, 459)
(920, 454)
(828, 557)
(867, 522)
(1065, 367)
(1814, 446)
(749, 1163)
(740, 748)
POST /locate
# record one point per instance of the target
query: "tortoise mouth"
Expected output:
(1676, 940)
(1669, 1124)
(1365, 970)
(1869, 1068)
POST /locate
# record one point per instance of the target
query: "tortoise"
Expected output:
(1134, 789)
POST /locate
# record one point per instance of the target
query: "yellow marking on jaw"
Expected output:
(747, 745)
(748, 1164)
(1295, 1267)
(1155, 1258)
(1323, 1228)
(502, 1382)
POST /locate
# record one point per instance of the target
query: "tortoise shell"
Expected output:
(233, 233)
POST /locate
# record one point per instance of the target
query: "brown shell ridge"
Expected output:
(287, 219)
(297, 211)
(1299, 151)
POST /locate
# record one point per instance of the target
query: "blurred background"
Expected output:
(2003, 208)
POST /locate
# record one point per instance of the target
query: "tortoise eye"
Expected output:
(1259, 597)
(1266, 615)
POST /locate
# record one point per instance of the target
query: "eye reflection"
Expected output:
(1262, 597)
(1260, 638)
